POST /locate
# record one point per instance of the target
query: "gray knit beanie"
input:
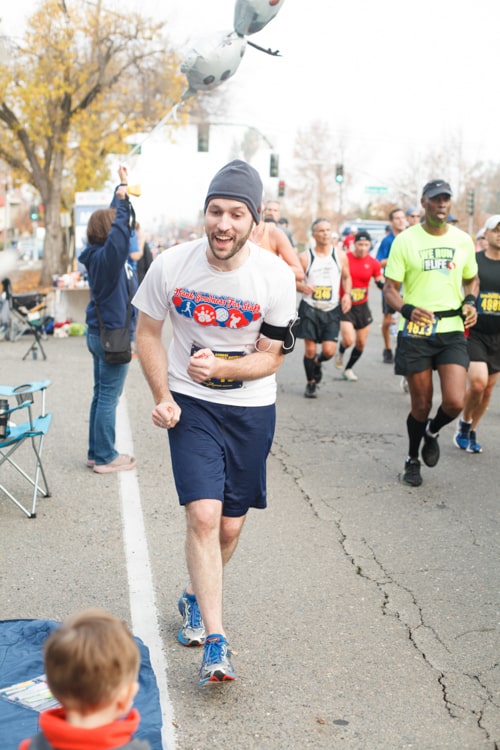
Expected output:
(238, 181)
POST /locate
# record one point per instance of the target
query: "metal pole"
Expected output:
(35, 249)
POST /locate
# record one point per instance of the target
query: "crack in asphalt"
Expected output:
(383, 580)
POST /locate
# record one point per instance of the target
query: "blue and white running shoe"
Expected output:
(216, 665)
(473, 446)
(462, 435)
(192, 632)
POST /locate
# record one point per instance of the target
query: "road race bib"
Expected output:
(358, 294)
(419, 330)
(322, 293)
(489, 303)
(221, 383)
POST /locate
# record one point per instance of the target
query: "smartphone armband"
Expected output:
(286, 334)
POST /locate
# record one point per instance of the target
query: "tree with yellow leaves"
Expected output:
(83, 79)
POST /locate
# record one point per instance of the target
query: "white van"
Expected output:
(376, 230)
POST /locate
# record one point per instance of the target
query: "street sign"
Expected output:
(92, 198)
(376, 189)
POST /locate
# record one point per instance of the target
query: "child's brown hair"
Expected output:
(89, 658)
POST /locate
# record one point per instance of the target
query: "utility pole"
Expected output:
(339, 179)
(471, 198)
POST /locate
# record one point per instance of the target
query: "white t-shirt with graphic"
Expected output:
(219, 310)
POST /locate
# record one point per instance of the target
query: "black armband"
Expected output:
(286, 334)
(407, 310)
(380, 284)
(470, 299)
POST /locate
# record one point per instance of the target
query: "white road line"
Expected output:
(143, 608)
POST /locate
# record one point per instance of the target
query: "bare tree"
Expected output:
(312, 188)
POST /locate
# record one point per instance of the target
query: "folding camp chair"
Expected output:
(23, 400)
(26, 317)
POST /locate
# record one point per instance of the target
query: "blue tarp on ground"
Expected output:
(21, 658)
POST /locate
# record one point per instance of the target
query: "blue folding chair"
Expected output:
(28, 398)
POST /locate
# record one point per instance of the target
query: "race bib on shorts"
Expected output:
(419, 330)
(221, 383)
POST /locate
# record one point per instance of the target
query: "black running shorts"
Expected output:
(387, 309)
(416, 354)
(359, 315)
(485, 347)
(318, 325)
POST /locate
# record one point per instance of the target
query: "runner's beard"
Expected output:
(238, 245)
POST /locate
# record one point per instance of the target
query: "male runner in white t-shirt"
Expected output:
(231, 305)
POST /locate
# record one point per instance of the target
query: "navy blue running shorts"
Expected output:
(219, 452)
(418, 354)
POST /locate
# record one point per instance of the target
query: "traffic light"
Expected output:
(339, 173)
(203, 136)
(471, 195)
(34, 213)
(281, 188)
(274, 165)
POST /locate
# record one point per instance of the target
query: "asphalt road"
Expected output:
(364, 613)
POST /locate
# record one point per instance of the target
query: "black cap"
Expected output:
(362, 235)
(436, 187)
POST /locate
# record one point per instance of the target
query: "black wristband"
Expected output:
(380, 284)
(407, 310)
(470, 299)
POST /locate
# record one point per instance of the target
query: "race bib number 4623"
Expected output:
(419, 330)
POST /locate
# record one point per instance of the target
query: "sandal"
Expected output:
(121, 463)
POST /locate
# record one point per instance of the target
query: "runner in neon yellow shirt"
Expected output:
(436, 265)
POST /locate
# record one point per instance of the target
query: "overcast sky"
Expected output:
(391, 77)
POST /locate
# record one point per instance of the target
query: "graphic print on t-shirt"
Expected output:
(438, 259)
(208, 309)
